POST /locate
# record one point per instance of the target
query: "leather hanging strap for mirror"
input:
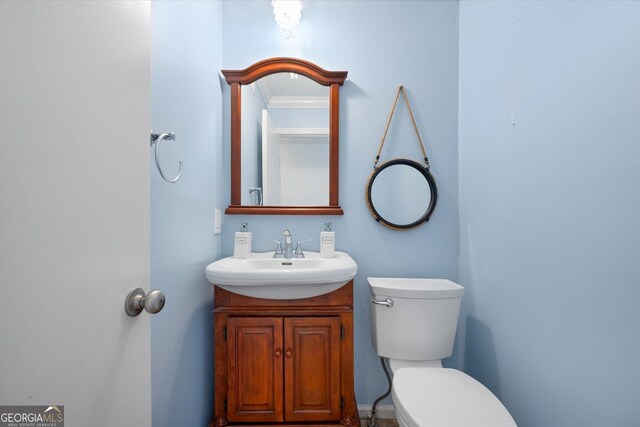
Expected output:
(401, 89)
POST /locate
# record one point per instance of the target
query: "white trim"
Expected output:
(383, 412)
(303, 131)
(298, 102)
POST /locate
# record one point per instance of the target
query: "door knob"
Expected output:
(137, 300)
(288, 353)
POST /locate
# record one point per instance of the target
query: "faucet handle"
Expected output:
(298, 253)
(278, 253)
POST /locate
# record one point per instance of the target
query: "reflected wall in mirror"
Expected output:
(284, 138)
(285, 142)
(401, 194)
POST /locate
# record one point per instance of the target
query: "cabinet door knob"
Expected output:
(278, 352)
(288, 353)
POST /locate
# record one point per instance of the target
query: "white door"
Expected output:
(304, 167)
(270, 161)
(74, 208)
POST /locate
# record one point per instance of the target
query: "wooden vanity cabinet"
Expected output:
(254, 369)
(284, 362)
(312, 368)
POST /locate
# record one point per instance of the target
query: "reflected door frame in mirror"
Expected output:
(332, 79)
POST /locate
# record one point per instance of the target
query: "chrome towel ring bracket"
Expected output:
(156, 138)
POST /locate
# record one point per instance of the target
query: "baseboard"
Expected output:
(383, 412)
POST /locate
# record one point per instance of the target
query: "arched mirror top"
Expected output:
(284, 138)
(285, 65)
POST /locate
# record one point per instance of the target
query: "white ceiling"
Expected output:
(283, 91)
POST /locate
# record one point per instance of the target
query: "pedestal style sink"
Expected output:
(263, 276)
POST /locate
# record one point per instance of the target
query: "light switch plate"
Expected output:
(217, 221)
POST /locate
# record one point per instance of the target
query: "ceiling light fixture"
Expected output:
(287, 14)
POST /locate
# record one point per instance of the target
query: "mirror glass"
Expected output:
(285, 142)
(401, 194)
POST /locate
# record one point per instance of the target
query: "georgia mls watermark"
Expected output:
(32, 416)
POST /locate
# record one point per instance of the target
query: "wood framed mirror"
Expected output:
(284, 138)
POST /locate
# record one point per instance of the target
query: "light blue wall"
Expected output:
(186, 99)
(549, 207)
(382, 45)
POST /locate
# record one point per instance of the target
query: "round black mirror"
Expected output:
(401, 194)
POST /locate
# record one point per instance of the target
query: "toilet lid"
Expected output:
(440, 397)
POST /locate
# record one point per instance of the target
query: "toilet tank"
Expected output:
(422, 320)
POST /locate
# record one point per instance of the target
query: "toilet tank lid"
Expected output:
(415, 288)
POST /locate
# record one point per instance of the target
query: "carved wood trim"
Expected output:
(285, 65)
(283, 210)
(334, 145)
(236, 160)
(342, 297)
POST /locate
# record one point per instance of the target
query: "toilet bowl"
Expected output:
(445, 398)
(414, 324)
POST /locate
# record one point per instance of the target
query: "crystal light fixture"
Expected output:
(287, 13)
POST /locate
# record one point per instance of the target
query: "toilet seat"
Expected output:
(441, 397)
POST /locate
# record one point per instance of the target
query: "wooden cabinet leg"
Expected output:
(348, 421)
(220, 422)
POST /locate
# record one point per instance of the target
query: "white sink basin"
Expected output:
(263, 276)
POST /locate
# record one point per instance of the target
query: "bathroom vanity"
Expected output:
(283, 321)
(284, 361)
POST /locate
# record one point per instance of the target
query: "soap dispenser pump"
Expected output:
(242, 246)
(327, 241)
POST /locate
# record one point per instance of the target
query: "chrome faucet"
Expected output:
(288, 250)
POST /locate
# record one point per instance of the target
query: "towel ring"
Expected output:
(155, 139)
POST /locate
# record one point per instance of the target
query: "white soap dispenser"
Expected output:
(242, 247)
(327, 242)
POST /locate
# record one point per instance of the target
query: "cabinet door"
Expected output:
(312, 368)
(254, 369)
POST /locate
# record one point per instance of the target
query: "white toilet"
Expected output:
(414, 326)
